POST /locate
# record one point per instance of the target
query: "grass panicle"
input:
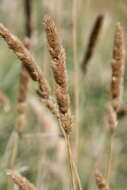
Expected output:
(100, 181)
(94, 36)
(23, 86)
(27, 60)
(21, 181)
(117, 68)
(24, 77)
(31, 66)
(116, 91)
(60, 73)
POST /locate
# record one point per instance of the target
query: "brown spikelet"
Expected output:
(66, 120)
(117, 67)
(24, 78)
(21, 181)
(22, 100)
(27, 60)
(60, 74)
(117, 79)
(57, 52)
(92, 42)
(100, 181)
(30, 64)
(62, 99)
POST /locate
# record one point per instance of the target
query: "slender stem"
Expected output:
(70, 162)
(72, 167)
(75, 168)
(96, 164)
(14, 150)
(66, 137)
(109, 161)
(13, 156)
(76, 74)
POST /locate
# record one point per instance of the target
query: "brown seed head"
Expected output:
(21, 181)
(117, 67)
(100, 181)
(57, 52)
(23, 86)
(66, 120)
(27, 60)
(55, 46)
(60, 73)
(62, 100)
(92, 42)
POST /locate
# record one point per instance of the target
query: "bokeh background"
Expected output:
(39, 154)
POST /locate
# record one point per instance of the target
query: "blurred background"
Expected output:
(39, 153)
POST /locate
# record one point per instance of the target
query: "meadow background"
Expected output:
(39, 154)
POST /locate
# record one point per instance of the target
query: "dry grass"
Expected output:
(50, 155)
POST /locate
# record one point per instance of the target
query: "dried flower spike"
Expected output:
(100, 181)
(21, 181)
(27, 60)
(24, 79)
(57, 52)
(60, 73)
(29, 63)
(92, 42)
(117, 67)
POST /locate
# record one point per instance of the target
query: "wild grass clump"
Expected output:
(54, 96)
